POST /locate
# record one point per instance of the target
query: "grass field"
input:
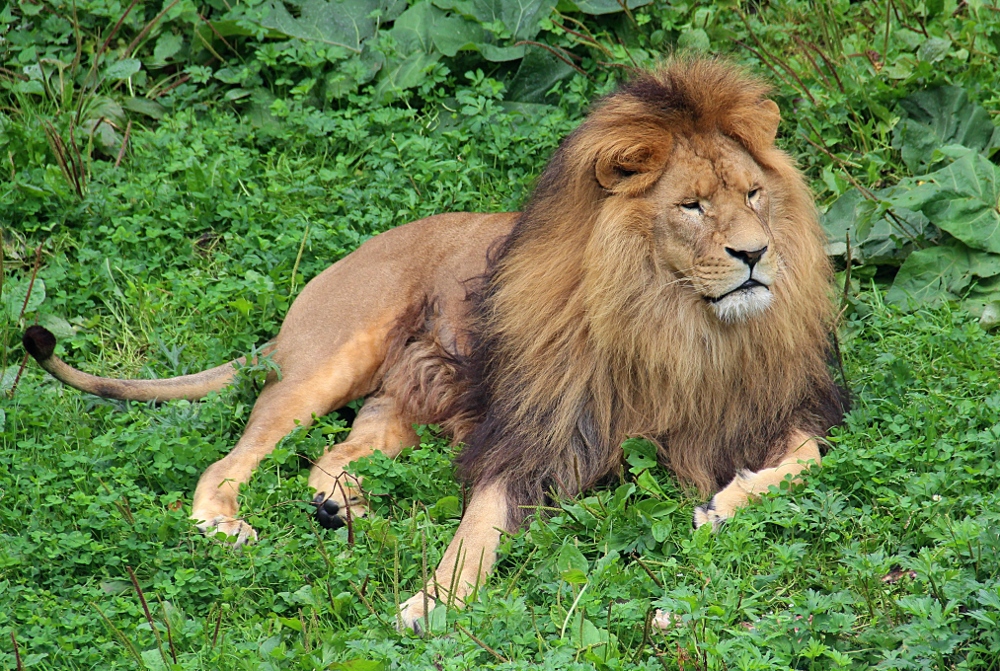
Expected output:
(185, 248)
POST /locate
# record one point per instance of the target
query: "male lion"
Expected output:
(666, 279)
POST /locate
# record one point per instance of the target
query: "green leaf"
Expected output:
(695, 39)
(933, 49)
(122, 69)
(520, 18)
(569, 558)
(359, 664)
(662, 529)
(452, 34)
(574, 576)
(962, 199)
(343, 23)
(938, 117)
(58, 326)
(597, 7)
(876, 237)
(403, 74)
(8, 376)
(167, 45)
(640, 454)
(495, 54)
(414, 27)
(150, 108)
(990, 318)
(446, 507)
(15, 292)
(942, 273)
(538, 72)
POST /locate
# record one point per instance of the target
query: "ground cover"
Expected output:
(183, 247)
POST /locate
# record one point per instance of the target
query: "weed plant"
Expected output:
(177, 173)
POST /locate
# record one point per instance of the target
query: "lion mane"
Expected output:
(578, 345)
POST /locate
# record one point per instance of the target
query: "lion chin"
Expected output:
(745, 302)
(666, 279)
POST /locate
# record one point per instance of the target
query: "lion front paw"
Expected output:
(331, 513)
(708, 514)
(237, 532)
(413, 612)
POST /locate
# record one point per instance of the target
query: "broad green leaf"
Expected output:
(597, 7)
(938, 117)
(495, 54)
(537, 74)
(640, 454)
(695, 39)
(167, 45)
(574, 576)
(403, 74)
(962, 199)
(150, 108)
(990, 317)
(933, 49)
(413, 29)
(452, 34)
(446, 507)
(942, 273)
(876, 237)
(122, 69)
(360, 664)
(58, 326)
(14, 294)
(661, 529)
(7, 377)
(343, 23)
(519, 18)
(569, 558)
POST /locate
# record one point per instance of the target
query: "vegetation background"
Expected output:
(172, 175)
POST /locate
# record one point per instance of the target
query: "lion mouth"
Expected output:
(747, 286)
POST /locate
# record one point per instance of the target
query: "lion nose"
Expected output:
(749, 257)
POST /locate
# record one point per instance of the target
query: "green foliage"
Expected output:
(269, 139)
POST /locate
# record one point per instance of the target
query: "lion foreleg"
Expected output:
(467, 561)
(379, 427)
(803, 452)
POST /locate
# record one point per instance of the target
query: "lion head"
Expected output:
(667, 279)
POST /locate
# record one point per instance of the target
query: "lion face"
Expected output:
(711, 227)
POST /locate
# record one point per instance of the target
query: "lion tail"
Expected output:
(40, 343)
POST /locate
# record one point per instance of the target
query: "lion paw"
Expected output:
(237, 532)
(413, 612)
(332, 514)
(708, 514)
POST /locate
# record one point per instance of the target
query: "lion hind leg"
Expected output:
(803, 452)
(468, 560)
(379, 427)
(311, 385)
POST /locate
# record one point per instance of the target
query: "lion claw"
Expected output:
(412, 613)
(707, 514)
(238, 533)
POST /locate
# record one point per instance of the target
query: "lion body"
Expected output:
(667, 279)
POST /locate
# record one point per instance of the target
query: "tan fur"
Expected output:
(667, 279)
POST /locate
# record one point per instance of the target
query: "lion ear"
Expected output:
(756, 127)
(630, 170)
(770, 117)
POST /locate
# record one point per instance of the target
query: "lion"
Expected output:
(666, 279)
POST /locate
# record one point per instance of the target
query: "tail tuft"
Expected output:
(39, 342)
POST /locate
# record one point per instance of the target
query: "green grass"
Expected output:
(189, 252)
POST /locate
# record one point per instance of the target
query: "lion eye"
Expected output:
(692, 206)
(752, 194)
